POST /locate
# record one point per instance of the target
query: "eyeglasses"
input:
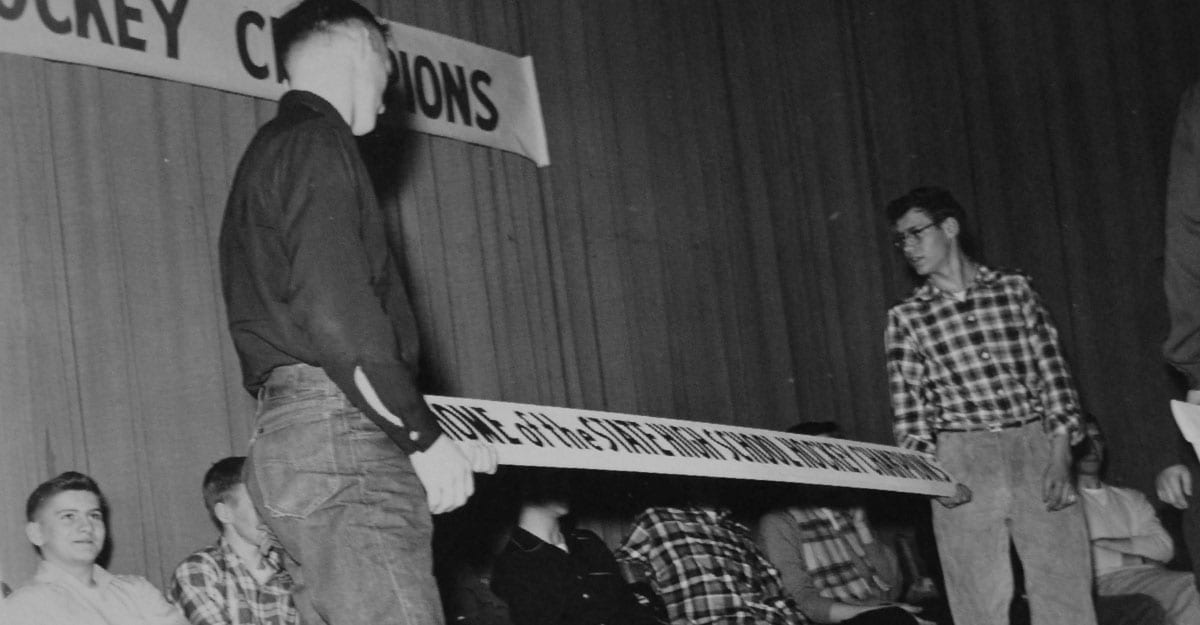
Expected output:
(912, 235)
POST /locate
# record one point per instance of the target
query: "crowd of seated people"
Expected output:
(687, 558)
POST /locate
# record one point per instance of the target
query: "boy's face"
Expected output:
(69, 528)
(1091, 457)
(238, 512)
(924, 242)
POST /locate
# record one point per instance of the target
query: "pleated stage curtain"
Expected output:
(708, 243)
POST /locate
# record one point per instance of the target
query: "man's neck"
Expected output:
(1091, 482)
(956, 275)
(543, 526)
(84, 573)
(246, 551)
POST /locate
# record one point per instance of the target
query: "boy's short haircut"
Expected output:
(63, 482)
(312, 17)
(935, 202)
(219, 480)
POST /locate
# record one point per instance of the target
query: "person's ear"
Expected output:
(33, 531)
(951, 227)
(223, 512)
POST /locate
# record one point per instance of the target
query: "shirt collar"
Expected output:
(234, 560)
(297, 99)
(51, 573)
(525, 540)
(984, 277)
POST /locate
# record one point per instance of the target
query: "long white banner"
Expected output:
(544, 436)
(454, 88)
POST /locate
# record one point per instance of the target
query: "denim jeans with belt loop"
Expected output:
(345, 505)
(1004, 470)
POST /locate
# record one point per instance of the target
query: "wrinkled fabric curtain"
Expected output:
(708, 243)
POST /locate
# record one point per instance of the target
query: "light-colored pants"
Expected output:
(1004, 471)
(1175, 591)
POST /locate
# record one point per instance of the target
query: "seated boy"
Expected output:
(1129, 544)
(555, 575)
(66, 524)
(239, 579)
(708, 569)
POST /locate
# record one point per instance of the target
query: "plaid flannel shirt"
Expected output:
(707, 568)
(832, 544)
(990, 361)
(214, 587)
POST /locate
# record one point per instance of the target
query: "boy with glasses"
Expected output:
(978, 380)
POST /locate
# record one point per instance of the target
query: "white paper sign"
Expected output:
(544, 436)
(1187, 417)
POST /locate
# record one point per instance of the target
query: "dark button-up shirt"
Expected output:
(308, 274)
(986, 362)
(545, 585)
(1181, 272)
(1181, 269)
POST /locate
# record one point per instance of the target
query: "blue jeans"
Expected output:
(345, 505)
(1004, 472)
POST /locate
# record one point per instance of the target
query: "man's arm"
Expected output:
(332, 294)
(1148, 538)
(1181, 269)
(151, 604)
(911, 415)
(331, 286)
(1059, 400)
(1174, 485)
(906, 369)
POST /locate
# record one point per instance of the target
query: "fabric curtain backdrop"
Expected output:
(708, 243)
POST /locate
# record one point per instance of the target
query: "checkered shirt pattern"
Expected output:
(833, 553)
(707, 568)
(989, 361)
(211, 580)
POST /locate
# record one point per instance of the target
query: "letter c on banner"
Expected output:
(12, 12)
(57, 26)
(244, 22)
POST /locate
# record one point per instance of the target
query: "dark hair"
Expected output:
(935, 202)
(311, 17)
(539, 485)
(68, 481)
(221, 478)
(814, 428)
(939, 205)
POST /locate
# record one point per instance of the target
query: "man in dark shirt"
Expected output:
(551, 574)
(1179, 484)
(347, 461)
